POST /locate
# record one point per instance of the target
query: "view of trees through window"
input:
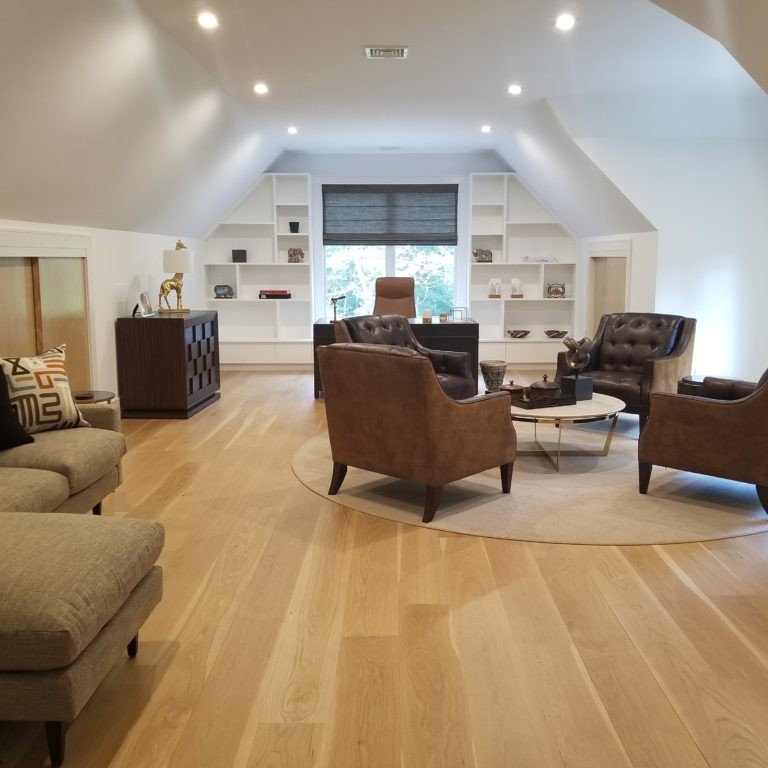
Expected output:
(351, 270)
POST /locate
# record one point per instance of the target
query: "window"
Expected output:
(351, 271)
(376, 230)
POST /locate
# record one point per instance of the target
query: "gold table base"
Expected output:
(559, 423)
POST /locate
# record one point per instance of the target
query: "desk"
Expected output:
(459, 336)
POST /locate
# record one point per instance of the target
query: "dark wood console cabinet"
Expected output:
(167, 365)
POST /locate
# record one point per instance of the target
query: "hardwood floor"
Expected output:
(297, 633)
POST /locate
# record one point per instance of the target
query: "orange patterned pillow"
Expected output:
(39, 391)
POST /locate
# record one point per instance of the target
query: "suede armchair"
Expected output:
(723, 432)
(452, 368)
(387, 413)
(636, 354)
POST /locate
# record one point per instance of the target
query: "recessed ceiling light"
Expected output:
(207, 20)
(565, 22)
(485, 128)
(515, 89)
(292, 129)
(261, 88)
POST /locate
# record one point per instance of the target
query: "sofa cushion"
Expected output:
(31, 490)
(82, 455)
(39, 391)
(11, 431)
(54, 599)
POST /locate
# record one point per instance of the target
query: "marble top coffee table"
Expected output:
(599, 408)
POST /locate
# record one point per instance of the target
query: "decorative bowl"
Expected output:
(518, 334)
(556, 334)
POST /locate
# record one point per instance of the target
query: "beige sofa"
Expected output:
(65, 470)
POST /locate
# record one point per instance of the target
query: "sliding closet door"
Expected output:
(63, 316)
(17, 316)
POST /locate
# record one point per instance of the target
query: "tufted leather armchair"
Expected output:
(721, 432)
(636, 354)
(452, 368)
(395, 296)
(425, 437)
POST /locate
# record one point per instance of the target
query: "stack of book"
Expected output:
(273, 293)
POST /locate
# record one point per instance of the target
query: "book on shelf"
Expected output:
(274, 294)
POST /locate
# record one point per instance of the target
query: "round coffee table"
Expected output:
(93, 396)
(599, 408)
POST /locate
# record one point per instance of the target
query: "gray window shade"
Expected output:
(389, 214)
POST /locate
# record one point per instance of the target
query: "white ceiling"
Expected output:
(124, 114)
(628, 67)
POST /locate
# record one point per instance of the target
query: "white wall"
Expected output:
(120, 265)
(708, 200)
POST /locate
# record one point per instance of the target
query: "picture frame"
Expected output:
(144, 305)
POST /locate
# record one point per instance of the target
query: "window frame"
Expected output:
(320, 297)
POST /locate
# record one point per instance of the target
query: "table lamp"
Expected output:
(178, 261)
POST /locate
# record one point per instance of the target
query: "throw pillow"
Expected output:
(11, 432)
(39, 391)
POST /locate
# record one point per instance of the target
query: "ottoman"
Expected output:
(74, 591)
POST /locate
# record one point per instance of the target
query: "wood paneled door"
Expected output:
(43, 303)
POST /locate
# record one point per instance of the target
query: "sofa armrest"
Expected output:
(102, 415)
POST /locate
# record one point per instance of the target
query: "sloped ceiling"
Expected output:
(740, 26)
(124, 114)
(107, 122)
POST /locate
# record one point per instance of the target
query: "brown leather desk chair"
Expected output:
(387, 413)
(722, 432)
(452, 368)
(635, 354)
(395, 296)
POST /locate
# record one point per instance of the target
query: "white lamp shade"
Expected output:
(178, 261)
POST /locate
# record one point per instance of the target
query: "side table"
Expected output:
(93, 396)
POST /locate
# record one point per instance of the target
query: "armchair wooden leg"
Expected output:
(431, 500)
(55, 733)
(762, 494)
(506, 476)
(133, 646)
(339, 473)
(644, 472)
(97, 509)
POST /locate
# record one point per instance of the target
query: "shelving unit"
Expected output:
(528, 245)
(255, 330)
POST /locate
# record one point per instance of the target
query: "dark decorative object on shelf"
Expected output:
(482, 255)
(555, 290)
(518, 334)
(239, 256)
(293, 226)
(556, 334)
(295, 256)
(223, 292)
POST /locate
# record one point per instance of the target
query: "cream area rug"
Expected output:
(592, 500)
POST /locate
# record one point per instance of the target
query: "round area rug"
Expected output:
(592, 500)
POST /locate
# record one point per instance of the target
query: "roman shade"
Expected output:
(389, 214)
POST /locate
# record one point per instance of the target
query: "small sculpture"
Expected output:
(516, 288)
(295, 255)
(175, 283)
(494, 288)
(577, 356)
(334, 299)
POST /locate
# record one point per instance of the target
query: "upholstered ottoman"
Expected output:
(74, 591)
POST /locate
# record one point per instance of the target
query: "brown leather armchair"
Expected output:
(452, 368)
(387, 413)
(635, 354)
(722, 432)
(395, 296)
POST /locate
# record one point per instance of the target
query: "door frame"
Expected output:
(599, 249)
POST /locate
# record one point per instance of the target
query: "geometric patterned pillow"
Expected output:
(39, 391)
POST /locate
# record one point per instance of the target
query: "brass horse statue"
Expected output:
(175, 283)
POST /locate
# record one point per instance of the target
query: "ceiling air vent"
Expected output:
(386, 52)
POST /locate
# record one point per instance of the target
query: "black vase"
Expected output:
(293, 226)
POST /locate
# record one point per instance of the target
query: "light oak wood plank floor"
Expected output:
(295, 633)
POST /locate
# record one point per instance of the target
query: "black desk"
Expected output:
(461, 336)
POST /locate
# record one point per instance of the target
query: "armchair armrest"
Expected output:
(661, 374)
(102, 415)
(726, 389)
(443, 361)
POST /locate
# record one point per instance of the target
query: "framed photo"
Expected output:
(144, 305)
